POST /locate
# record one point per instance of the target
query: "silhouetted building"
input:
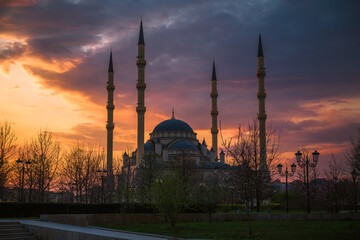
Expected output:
(173, 138)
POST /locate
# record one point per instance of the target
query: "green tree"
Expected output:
(146, 173)
(168, 195)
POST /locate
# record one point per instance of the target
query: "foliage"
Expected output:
(145, 176)
(169, 195)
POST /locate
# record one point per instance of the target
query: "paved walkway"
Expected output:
(93, 230)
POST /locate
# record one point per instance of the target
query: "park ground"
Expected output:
(266, 230)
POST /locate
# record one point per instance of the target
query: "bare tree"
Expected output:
(250, 177)
(46, 155)
(127, 181)
(333, 174)
(353, 152)
(22, 176)
(244, 150)
(7, 153)
(78, 173)
(72, 170)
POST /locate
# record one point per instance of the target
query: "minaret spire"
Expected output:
(260, 49)
(213, 72)
(173, 114)
(111, 68)
(261, 95)
(214, 111)
(140, 86)
(141, 35)
(110, 122)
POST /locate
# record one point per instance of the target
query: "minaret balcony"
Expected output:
(262, 116)
(110, 126)
(261, 94)
(214, 94)
(141, 62)
(110, 87)
(140, 86)
(214, 130)
(260, 72)
(110, 107)
(140, 109)
(214, 112)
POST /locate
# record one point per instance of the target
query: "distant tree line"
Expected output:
(43, 171)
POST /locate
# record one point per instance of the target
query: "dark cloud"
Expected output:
(11, 50)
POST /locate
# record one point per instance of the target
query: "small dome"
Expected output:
(183, 145)
(173, 125)
(148, 146)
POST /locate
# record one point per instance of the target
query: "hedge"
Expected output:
(16, 209)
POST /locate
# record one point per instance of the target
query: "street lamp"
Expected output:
(21, 165)
(354, 175)
(102, 174)
(286, 174)
(304, 162)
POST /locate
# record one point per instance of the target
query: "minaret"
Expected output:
(261, 95)
(110, 123)
(140, 85)
(214, 111)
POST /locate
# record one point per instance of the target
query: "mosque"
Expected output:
(174, 138)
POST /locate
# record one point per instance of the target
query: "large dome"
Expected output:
(173, 125)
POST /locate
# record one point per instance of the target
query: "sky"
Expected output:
(54, 58)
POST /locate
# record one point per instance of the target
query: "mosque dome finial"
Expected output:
(173, 114)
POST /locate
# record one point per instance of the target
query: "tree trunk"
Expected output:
(248, 219)
(257, 199)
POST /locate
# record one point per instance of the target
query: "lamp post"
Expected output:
(102, 174)
(286, 174)
(354, 175)
(304, 162)
(22, 166)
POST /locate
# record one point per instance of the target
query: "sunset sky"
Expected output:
(54, 58)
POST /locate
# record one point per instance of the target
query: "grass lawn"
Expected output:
(287, 230)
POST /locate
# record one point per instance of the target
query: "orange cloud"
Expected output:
(18, 3)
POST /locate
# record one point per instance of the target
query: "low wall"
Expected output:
(51, 231)
(98, 219)
(45, 233)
